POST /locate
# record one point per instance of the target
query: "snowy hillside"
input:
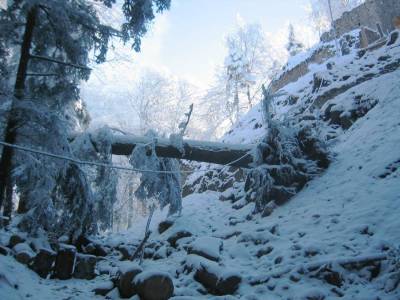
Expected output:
(336, 238)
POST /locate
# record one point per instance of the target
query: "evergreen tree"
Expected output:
(293, 46)
(58, 37)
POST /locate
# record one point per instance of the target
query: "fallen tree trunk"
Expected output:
(236, 155)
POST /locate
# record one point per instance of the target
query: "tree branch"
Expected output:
(59, 62)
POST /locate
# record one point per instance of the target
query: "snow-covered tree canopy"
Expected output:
(61, 38)
(250, 61)
(294, 46)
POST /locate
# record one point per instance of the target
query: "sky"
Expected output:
(192, 38)
(188, 40)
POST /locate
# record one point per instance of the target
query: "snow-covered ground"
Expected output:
(348, 213)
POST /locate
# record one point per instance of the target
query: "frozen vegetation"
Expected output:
(315, 218)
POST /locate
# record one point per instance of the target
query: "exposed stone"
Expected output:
(126, 252)
(330, 65)
(207, 247)
(319, 56)
(329, 276)
(23, 253)
(85, 266)
(164, 226)
(319, 81)
(394, 36)
(177, 236)
(43, 262)
(82, 242)
(264, 251)
(100, 251)
(95, 249)
(126, 286)
(4, 251)
(344, 47)
(14, 240)
(368, 37)
(65, 261)
(217, 283)
(368, 14)
(154, 286)
(104, 288)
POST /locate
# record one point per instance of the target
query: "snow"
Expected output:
(143, 276)
(347, 214)
(209, 246)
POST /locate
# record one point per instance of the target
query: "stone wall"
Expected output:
(319, 56)
(369, 14)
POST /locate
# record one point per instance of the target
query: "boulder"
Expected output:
(65, 261)
(43, 262)
(95, 249)
(216, 281)
(154, 286)
(104, 288)
(85, 266)
(126, 252)
(177, 236)
(164, 226)
(207, 247)
(126, 286)
(14, 240)
(100, 250)
(4, 251)
(82, 242)
(23, 253)
(393, 38)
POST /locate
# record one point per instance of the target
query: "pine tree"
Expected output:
(293, 46)
(58, 37)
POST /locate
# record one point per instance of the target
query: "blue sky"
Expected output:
(188, 39)
(187, 42)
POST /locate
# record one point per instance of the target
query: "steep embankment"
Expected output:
(337, 238)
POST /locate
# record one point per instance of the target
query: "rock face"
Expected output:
(85, 267)
(65, 261)
(126, 286)
(154, 286)
(43, 262)
(216, 283)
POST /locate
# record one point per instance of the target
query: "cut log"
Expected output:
(236, 155)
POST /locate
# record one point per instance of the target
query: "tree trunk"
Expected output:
(130, 205)
(236, 155)
(10, 132)
(249, 96)
(8, 204)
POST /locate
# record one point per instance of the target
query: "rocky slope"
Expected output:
(338, 238)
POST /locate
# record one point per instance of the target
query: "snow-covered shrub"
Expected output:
(105, 181)
(161, 181)
(292, 157)
(53, 193)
